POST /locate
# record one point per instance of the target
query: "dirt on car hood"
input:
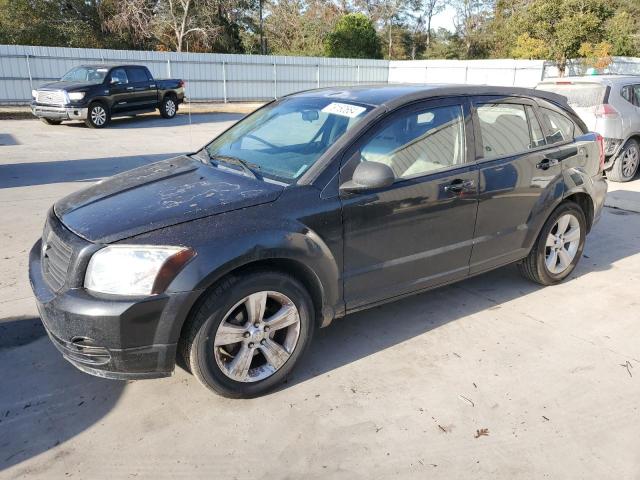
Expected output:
(159, 195)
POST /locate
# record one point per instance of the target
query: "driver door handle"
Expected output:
(459, 186)
(129, 88)
(547, 163)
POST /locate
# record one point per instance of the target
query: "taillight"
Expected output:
(605, 111)
(600, 140)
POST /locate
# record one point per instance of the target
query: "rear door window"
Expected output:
(137, 75)
(636, 95)
(537, 136)
(505, 130)
(560, 128)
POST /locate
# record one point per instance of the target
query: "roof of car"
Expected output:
(377, 95)
(108, 65)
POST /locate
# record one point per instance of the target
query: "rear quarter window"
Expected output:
(561, 128)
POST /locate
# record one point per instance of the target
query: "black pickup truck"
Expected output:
(97, 93)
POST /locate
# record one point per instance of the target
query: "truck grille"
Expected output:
(56, 259)
(50, 97)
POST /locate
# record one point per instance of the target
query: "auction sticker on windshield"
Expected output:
(343, 109)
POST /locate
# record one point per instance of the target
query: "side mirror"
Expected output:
(114, 81)
(369, 176)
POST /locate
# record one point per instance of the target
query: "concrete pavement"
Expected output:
(493, 377)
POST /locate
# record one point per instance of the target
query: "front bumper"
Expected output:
(111, 336)
(56, 112)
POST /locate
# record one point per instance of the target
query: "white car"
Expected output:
(609, 105)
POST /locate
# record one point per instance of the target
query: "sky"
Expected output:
(444, 19)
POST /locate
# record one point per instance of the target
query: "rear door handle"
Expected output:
(547, 163)
(459, 185)
(129, 88)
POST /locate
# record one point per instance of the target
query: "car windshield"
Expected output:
(579, 94)
(282, 140)
(85, 74)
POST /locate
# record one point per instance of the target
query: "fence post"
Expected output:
(515, 71)
(466, 73)
(275, 82)
(224, 81)
(168, 68)
(318, 76)
(358, 74)
(29, 72)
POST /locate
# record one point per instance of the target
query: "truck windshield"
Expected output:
(284, 139)
(85, 74)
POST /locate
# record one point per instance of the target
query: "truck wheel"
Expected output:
(558, 248)
(169, 107)
(248, 333)
(49, 121)
(97, 116)
(626, 165)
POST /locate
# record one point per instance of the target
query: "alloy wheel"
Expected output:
(257, 336)
(170, 108)
(630, 160)
(98, 115)
(562, 244)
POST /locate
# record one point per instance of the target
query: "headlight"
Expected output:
(76, 96)
(135, 269)
(34, 93)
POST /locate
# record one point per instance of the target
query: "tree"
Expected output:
(431, 8)
(354, 36)
(557, 29)
(472, 22)
(295, 27)
(622, 32)
(529, 47)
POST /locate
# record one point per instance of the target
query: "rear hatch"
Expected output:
(587, 100)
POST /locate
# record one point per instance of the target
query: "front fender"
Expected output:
(259, 235)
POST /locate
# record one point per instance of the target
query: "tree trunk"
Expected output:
(390, 25)
(429, 31)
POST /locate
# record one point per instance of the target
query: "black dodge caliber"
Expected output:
(317, 205)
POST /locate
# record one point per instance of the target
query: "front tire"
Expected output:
(558, 248)
(49, 121)
(169, 107)
(98, 116)
(248, 333)
(626, 165)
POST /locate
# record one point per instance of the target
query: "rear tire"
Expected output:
(168, 107)
(232, 324)
(558, 248)
(49, 121)
(626, 165)
(98, 116)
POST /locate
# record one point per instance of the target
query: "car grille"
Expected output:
(50, 97)
(56, 259)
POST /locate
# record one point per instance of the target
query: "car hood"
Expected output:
(159, 195)
(69, 86)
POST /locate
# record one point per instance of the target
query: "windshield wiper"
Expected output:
(250, 168)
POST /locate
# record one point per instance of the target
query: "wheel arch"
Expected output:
(585, 202)
(295, 268)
